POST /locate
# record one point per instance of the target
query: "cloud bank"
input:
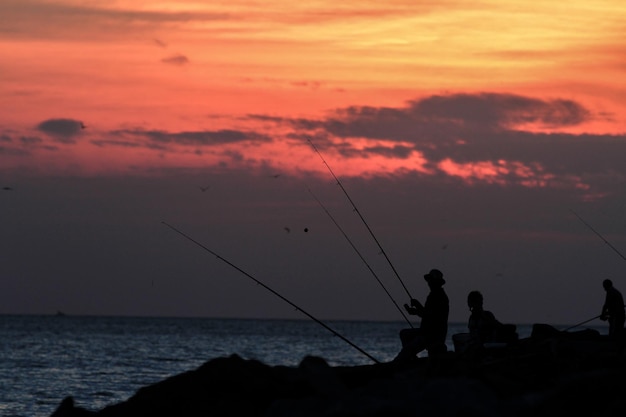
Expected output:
(486, 138)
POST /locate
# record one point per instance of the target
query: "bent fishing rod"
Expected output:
(361, 217)
(361, 256)
(599, 235)
(273, 292)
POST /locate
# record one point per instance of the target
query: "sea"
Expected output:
(101, 361)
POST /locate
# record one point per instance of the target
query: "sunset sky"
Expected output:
(469, 136)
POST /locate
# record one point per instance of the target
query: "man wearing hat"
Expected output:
(433, 329)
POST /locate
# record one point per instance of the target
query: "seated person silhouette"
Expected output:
(484, 329)
(431, 335)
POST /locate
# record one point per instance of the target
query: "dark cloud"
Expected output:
(475, 130)
(61, 130)
(448, 117)
(499, 110)
(35, 142)
(198, 138)
(31, 140)
(463, 127)
(122, 143)
(176, 60)
(24, 145)
(396, 151)
(267, 118)
(12, 151)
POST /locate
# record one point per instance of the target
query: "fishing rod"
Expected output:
(581, 323)
(360, 256)
(601, 237)
(362, 219)
(273, 292)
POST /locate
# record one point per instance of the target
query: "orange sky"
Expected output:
(191, 66)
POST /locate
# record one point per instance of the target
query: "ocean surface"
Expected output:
(105, 360)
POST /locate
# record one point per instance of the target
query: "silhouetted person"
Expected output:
(483, 329)
(482, 324)
(433, 329)
(613, 310)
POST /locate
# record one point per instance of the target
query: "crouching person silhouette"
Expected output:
(431, 335)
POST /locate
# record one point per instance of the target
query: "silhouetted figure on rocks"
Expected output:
(484, 330)
(482, 324)
(433, 329)
(613, 310)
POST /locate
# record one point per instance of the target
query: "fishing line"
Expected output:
(273, 292)
(361, 217)
(581, 323)
(599, 235)
(360, 256)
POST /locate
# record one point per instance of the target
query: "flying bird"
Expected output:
(7, 188)
(204, 188)
(288, 230)
(275, 175)
(82, 125)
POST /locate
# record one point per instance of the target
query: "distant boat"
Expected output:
(60, 314)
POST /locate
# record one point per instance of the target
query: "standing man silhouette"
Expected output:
(613, 310)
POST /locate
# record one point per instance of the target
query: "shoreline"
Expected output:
(552, 373)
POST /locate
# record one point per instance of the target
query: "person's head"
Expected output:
(434, 278)
(607, 283)
(475, 300)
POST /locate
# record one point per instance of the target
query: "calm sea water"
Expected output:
(104, 360)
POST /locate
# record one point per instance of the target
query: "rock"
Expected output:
(545, 376)
(68, 409)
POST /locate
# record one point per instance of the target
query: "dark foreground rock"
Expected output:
(550, 374)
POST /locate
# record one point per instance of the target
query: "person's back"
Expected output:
(482, 324)
(434, 324)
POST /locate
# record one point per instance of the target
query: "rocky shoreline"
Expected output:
(550, 373)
